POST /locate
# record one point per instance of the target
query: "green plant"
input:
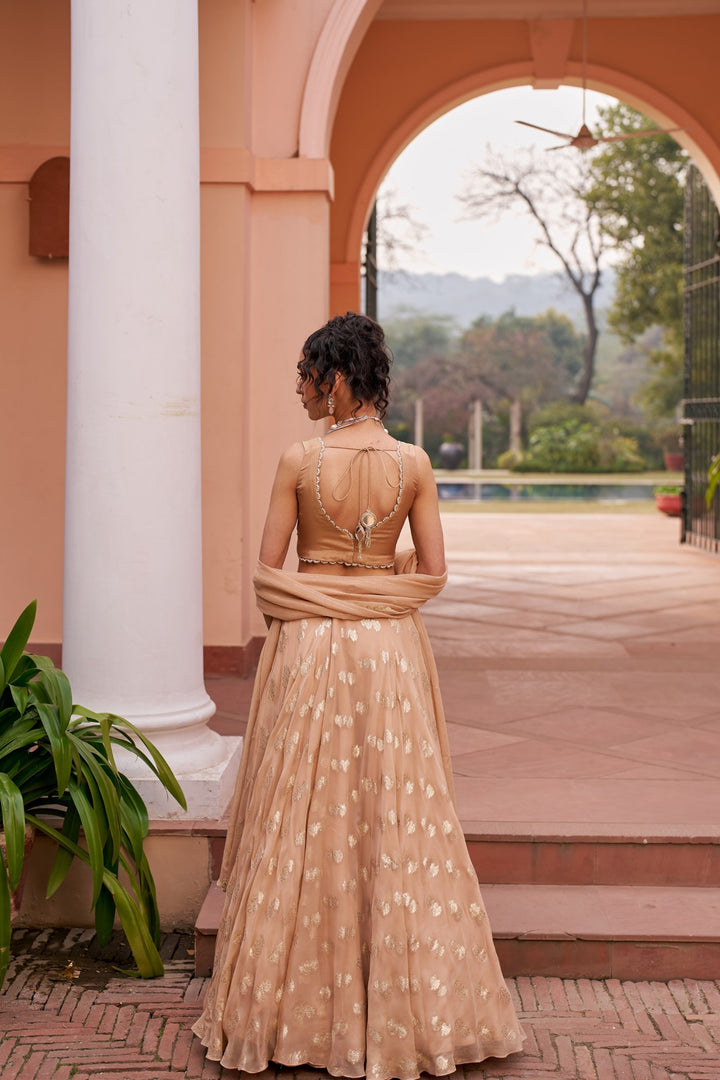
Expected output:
(667, 489)
(713, 480)
(574, 445)
(509, 459)
(559, 412)
(668, 436)
(58, 775)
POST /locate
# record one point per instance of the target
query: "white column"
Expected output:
(475, 436)
(132, 627)
(419, 434)
(516, 425)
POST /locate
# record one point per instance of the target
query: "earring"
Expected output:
(331, 404)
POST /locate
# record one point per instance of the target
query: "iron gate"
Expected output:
(701, 405)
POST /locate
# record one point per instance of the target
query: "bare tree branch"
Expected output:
(398, 231)
(565, 224)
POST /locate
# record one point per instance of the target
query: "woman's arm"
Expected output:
(283, 510)
(424, 518)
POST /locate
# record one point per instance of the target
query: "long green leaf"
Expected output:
(135, 819)
(25, 671)
(95, 841)
(63, 858)
(5, 926)
(16, 641)
(123, 733)
(108, 795)
(104, 916)
(136, 930)
(161, 768)
(105, 726)
(57, 688)
(20, 697)
(59, 745)
(149, 898)
(23, 733)
(12, 813)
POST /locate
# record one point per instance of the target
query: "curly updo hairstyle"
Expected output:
(353, 345)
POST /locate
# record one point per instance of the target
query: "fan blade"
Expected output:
(562, 146)
(550, 131)
(639, 134)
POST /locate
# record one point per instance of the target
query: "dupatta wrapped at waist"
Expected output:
(288, 596)
(285, 597)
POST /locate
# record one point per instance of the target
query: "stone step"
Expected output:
(606, 931)
(570, 859)
(206, 926)
(632, 859)
(577, 931)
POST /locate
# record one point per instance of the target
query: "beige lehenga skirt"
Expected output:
(354, 936)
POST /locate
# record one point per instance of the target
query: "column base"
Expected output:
(207, 790)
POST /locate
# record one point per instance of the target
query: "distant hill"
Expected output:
(466, 299)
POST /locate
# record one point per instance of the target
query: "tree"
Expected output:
(565, 221)
(433, 378)
(391, 231)
(512, 365)
(398, 230)
(519, 360)
(414, 336)
(637, 192)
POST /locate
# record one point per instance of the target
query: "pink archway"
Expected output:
(340, 39)
(647, 99)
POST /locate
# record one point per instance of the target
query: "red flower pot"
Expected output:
(669, 504)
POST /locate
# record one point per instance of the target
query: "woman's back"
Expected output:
(354, 496)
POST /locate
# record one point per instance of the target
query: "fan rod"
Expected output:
(584, 58)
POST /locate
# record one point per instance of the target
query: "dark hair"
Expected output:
(353, 345)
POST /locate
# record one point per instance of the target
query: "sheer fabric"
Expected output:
(354, 936)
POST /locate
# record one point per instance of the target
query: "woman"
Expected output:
(353, 936)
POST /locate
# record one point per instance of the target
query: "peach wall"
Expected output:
(35, 71)
(179, 895)
(288, 299)
(225, 43)
(224, 231)
(405, 74)
(33, 317)
(225, 31)
(34, 126)
(264, 280)
(284, 36)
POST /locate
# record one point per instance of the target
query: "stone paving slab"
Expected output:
(102, 1024)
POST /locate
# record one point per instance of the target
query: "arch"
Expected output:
(341, 35)
(701, 146)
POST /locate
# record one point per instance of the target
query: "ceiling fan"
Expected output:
(585, 140)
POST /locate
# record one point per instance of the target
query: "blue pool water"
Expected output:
(610, 493)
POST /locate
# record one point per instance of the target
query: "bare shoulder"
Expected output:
(423, 465)
(292, 456)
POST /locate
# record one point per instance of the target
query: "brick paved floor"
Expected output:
(103, 1024)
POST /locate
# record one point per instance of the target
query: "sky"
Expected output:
(431, 170)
